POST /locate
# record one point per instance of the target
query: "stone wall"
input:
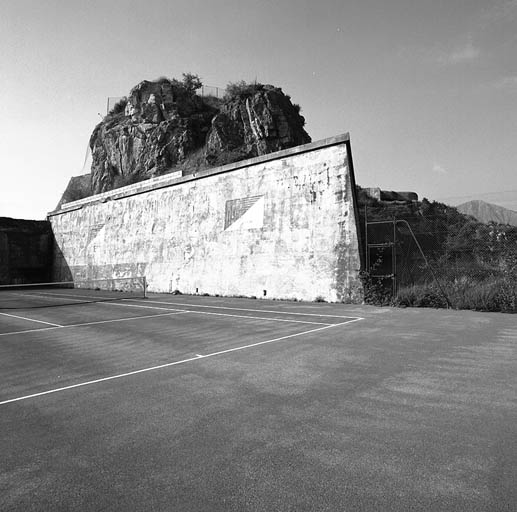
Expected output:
(281, 225)
(25, 251)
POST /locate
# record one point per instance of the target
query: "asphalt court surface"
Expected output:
(74, 344)
(203, 403)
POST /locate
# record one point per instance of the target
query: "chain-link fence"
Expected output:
(211, 90)
(439, 258)
(204, 91)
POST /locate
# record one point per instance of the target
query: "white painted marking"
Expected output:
(30, 330)
(225, 314)
(167, 365)
(259, 318)
(175, 312)
(243, 309)
(30, 319)
(96, 381)
(120, 304)
(252, 218)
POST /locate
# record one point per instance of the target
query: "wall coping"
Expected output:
(171, 179)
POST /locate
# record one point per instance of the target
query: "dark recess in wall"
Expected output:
(25, 251)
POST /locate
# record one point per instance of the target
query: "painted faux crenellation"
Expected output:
(281, 225)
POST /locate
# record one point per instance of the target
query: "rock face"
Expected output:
(78, 187)
(163, 126)
(260, 123)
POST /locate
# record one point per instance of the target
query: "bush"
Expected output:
(375, 291)
(492, 294)
(242, 89)
(420, 296)
(191, 83)
(119, 107)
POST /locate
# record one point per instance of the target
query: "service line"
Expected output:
(197, 357)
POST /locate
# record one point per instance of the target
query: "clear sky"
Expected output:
(426, 88)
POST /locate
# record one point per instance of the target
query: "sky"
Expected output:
(427, 89)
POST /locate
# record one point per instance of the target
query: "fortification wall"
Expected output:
(283, 223)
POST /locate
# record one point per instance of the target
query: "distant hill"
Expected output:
(487, 212)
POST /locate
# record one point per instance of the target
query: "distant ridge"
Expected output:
(488, 212)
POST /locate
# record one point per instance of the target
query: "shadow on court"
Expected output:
(194, 403)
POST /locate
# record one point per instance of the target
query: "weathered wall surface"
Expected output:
(284, 223)
(25, 251)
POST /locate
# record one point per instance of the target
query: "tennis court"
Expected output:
(204, 403)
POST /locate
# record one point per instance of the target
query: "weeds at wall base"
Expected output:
(490, 295)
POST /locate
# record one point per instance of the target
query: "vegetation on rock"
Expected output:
(164, 126)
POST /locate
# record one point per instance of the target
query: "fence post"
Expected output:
(366, 238)
(394, 257)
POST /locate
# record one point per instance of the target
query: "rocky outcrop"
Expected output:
(262, 122)
(78, 187)
(152, 131)
(163, 126)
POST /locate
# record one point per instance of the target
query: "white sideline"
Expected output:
(172, 312)
(122, 304)
(30, 319)
(259, 318)
(128, 299)
(197, 357)
(241, 309)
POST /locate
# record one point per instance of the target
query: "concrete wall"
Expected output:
(25, 251)
(284, 223)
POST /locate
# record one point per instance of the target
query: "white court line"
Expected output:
(167, 365)
(174, 312)
(119, 304)
(111, 303)
(222, 314)
(243, 309)
(260, 318)
(30, 319)
(67, 295)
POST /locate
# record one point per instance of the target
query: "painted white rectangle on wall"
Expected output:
(246, 213)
